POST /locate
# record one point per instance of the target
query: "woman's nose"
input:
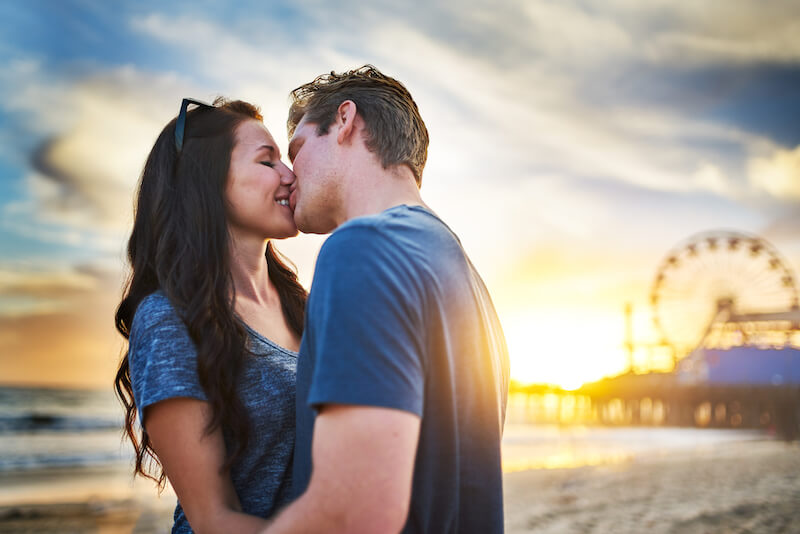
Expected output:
(287, 176)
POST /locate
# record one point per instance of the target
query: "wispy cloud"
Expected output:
(42, 289)
(540, 115)
(94, 134)
(44, 284)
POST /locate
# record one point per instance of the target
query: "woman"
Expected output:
(213, 320)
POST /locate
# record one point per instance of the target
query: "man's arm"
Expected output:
(363, 459)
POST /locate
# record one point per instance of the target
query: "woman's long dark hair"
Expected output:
(180, 244)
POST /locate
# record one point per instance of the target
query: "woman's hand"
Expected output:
(192, 461)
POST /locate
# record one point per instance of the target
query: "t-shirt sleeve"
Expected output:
(161, 355)
(364, 329)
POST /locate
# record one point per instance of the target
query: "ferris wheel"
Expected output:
(713, 276)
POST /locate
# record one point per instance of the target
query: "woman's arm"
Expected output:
(192, 460)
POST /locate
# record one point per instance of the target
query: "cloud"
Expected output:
(252, 58)
(33, 95)
(73, 346)
(56, 322)
(777, 174)
(709, 177)
(91, 134)
(96, 161)
(749, 32)
(538, 114)
(542, 122)
(778, 46)
(684, 31)
(44, 284)
(578, 37)
(785, 227)
(33, 290)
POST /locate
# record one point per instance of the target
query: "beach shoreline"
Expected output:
(728, 486)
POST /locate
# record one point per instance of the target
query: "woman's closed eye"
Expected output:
(268, 164)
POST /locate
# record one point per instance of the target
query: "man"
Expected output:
(403, 370)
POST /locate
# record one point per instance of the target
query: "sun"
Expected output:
(561, 349)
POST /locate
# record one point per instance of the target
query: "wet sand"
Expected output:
(83, 500)
(750, 487)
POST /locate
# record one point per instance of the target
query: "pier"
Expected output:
(660, 399)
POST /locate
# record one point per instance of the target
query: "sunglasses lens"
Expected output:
(180, 124)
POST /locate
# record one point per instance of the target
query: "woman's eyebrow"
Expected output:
(271, 149)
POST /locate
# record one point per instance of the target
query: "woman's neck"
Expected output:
(249, 270)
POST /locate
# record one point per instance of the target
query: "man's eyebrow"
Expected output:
(292, 149)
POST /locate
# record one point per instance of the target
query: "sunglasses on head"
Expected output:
(180, 125)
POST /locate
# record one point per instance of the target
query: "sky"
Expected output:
(574, 144)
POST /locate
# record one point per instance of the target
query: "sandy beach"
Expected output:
(721, 487)
(749, 487)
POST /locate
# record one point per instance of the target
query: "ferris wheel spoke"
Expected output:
(762, 275)
(765, 275)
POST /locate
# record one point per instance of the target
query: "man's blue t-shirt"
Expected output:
(398, 318)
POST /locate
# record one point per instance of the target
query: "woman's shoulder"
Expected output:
(157, 318)
(155, 302)
(153, 309)
(161, 354)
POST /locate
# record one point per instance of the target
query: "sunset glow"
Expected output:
(565, 350)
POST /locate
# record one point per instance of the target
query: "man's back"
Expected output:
(398, 318)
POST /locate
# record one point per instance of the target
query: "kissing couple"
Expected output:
(375, 403)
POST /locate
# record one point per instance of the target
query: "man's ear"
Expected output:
(346, 121)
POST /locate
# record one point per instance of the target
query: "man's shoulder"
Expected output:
(400, 227)
(395, 247)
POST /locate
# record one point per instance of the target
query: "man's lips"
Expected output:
(293, 199)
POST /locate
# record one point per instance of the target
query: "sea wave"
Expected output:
(37, 462)
(47, 422)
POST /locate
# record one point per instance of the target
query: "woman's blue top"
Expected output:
(163, 365)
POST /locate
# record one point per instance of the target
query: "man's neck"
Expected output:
(380, 191)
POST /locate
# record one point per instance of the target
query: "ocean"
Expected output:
(59, 428)
(64, 467)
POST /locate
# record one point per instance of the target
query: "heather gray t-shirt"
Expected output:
(163, 365)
